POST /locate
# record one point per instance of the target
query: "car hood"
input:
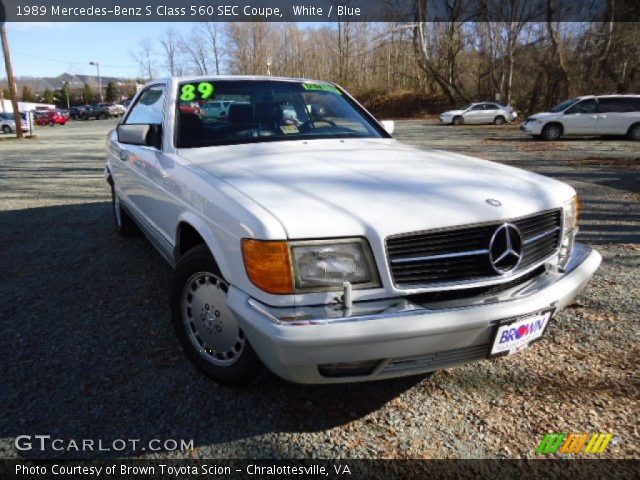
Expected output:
(374, 187)
(543, 115)
(453, 112)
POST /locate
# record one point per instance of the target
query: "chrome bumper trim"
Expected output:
(402, 307)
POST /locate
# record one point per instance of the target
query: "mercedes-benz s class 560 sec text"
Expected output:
(304, 238)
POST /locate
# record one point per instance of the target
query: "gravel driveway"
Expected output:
(87, 349)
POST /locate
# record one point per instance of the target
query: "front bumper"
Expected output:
(399, 336)
(532, 128)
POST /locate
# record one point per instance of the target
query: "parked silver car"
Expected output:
(589, 115)
(485, 112)
(8, 123)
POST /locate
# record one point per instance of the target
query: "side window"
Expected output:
(613, 104)
(585, 106)
(477, 107)
(490, 106)
(149, 108)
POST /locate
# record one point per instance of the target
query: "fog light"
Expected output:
(347, 369)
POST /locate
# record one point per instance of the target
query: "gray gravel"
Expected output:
(87, 349)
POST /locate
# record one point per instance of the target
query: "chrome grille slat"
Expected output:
(461, 254)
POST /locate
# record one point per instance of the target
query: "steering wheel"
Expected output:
(311, 123)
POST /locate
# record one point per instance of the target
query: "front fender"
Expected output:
(212, 242)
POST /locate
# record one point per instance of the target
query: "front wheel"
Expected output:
(205, 325)
(457, 120)
(634, 133)
(552, 132)
(6, 129)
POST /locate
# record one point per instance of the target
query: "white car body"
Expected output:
(590, 115)
(216, 109)
(374, 188)
(8, 123)
(482, 112)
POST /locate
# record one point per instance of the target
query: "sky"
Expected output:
(49, 49)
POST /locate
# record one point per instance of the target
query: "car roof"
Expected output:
(610, 95)
(233, 77)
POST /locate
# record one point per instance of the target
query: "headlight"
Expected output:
(282, 267)
(327, 265)
(571, 211)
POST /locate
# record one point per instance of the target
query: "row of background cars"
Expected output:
(99, 111)
(55, 116)
(591, 115)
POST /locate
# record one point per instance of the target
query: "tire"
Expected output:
(553, 131)
(6, 129)
(125, 226)
(457, 120)
(634, 132)
(84, 117)
(204, 324)
(499, 120)
(52, 123)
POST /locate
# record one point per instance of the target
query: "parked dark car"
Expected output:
(96, 110)
(76, 112)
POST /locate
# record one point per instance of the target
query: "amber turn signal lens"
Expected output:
(268, 265)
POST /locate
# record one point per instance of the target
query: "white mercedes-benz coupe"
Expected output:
(305, 239)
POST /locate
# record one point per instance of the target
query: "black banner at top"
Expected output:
(320, 10)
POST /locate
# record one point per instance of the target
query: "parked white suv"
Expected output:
(589, 115)
(326, 250)
(485, 112)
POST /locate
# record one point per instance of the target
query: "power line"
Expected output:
(69, 62)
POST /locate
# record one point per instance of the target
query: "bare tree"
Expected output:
(214, 40)
(195, 51)
(170, 42)
(144, 58)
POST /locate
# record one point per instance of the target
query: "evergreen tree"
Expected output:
(112, 92)
(88, 93)
(49, 96)
(27, 95)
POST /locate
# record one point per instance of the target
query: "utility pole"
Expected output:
(65, 87)
(99, 79)
(11, 81)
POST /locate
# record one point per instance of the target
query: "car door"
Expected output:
(615, 115)
(136, 167)
(491, 111)
(581, 118)
(474, 114)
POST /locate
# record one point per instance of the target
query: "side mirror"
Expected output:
(147, 135)
(389, 126)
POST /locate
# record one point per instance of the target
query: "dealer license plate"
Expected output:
(517, 335)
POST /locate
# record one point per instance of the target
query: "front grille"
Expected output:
(461, 254)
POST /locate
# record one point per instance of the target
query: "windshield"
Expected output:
(564, 105)
(222, 112)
